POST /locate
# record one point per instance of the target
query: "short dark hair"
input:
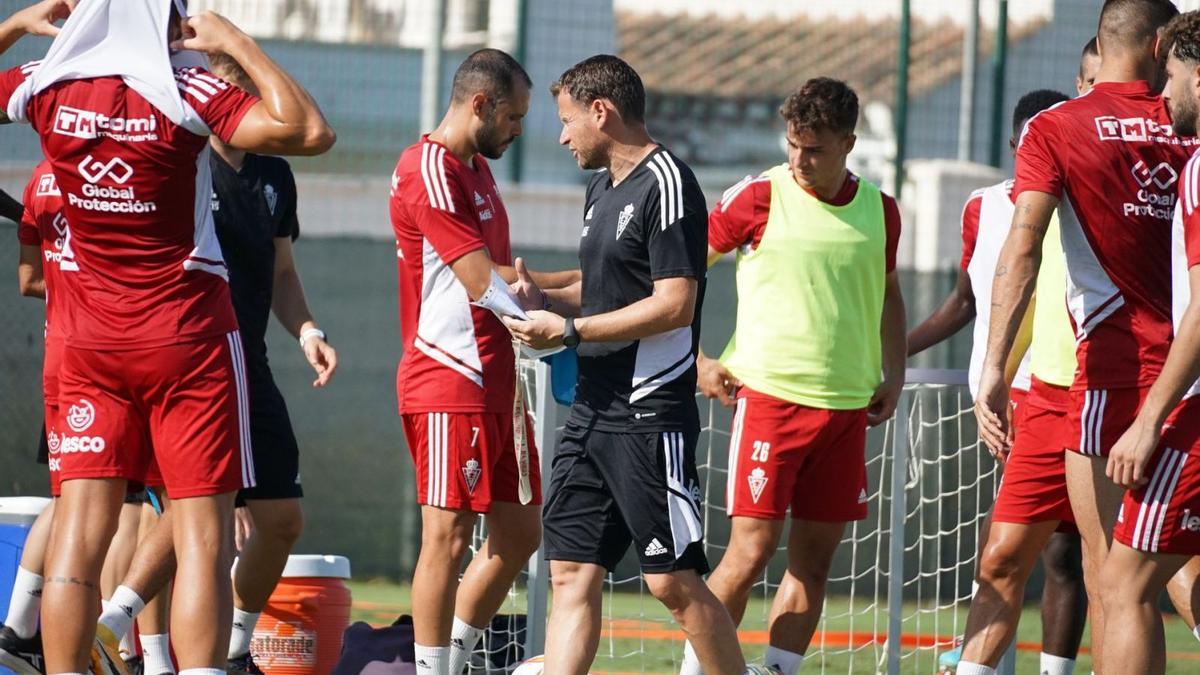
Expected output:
(1182, 37)
(822, 103)
(1132, 23)
(608, 77)
(490, 71)
(1033, 103)
(227, 68)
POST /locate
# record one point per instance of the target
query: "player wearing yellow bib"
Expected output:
(817, 356)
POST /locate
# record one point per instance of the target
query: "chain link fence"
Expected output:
(715, 73)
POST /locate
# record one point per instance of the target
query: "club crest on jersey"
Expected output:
(478, 200)
(623, 219)
(271, 196)
(591, 210)
(80, 417)
(862, 496)
(47, 186)
(472, 472)
(758, 480)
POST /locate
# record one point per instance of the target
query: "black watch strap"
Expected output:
(570, 337)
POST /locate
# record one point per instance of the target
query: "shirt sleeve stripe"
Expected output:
(202, 85)
(668, 198)
(1191, 180)
(193, 92)
(433, 196)
(212, 80)
(678, 182)
(662, 202)
(441, 167)
(732, 193)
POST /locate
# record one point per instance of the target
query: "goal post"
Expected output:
(900, 586)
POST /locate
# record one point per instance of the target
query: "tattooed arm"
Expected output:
(1016, 274)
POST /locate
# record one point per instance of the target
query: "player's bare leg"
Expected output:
(752, 542)
(1008, 557)
(514, 532)
(120, 552)
(1133, 629)
(573, 627)
(1064, 598)
(1184, 593)
(796, 609)
(203, 598)
(278, 524)
(85, 520)
(445, 537)
(153, 623)
(704, 620)
(1095, 501)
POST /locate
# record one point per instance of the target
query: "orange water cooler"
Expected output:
(300, 630)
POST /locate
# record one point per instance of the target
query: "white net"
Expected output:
(948, 485)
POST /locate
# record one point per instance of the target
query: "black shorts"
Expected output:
(273, 443)
(608, 490)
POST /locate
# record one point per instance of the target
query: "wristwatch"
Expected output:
(570, 337)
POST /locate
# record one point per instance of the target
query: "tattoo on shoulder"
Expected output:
(72, 581)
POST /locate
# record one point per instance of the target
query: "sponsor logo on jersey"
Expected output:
(472, 472)
(79, 123)
(80, 417)
(1155, 198)
(623, 219)
(271, 196)
(655, 548)
(758, 480)
(47, 186)
(108, 198)
(1189, 522)
(1134, 129)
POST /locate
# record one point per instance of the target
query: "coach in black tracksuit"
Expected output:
(254, 209)
(624, 470)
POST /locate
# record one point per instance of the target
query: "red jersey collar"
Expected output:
(1134, 88)
(845, 194)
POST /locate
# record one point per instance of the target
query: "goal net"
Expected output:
(900, 584)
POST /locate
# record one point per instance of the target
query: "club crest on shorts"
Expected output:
(80, 417)
(623, 219)
(758, 480)
(472, 472)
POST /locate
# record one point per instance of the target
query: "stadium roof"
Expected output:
(710, 57)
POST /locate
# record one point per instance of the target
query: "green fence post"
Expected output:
(999, 65)
(517, 163)
(902, 95)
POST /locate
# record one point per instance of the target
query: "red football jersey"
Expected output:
(740, 217)
(43, 224)
(145, 265)
(1113, 159)
(457, 357)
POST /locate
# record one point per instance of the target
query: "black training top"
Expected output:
(251, 208)
(654, 225)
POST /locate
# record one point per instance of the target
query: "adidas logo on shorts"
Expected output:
(655, 548)
(862, 496)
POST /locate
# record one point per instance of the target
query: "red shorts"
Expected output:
(1034, 487)
(1163, 516)
(50, 366)
(1098, 417)
(465, 461)
(184, 406)
(784, 454)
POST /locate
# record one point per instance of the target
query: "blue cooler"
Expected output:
(16, 517)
